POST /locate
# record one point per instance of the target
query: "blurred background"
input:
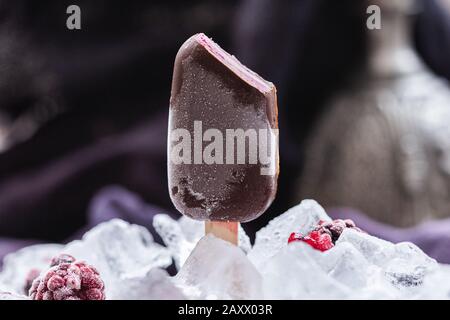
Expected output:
(364, 114)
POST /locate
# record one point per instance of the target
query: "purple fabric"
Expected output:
(117, 202)
(432, 237)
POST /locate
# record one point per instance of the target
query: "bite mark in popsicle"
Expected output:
(223, 138)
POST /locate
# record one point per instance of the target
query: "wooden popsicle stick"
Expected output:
(225, 230)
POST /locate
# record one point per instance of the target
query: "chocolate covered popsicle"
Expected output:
(223, 136)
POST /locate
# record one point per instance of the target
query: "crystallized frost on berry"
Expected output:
(316, 239)
(68, 279)
(325, 234)
(62, 258)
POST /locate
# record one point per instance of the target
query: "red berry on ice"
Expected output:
(295, 237)
(68, 279)
(325, 234)
(319, 241)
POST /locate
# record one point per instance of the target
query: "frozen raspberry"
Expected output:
(68, 279)
(336, 227)
(295, 237)
(62, 258)
(316, 239)
(325, 234)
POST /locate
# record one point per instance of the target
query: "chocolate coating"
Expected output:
(211, 86)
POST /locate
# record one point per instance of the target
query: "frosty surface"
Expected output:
(222, 159)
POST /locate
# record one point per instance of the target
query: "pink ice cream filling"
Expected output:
(234, 65)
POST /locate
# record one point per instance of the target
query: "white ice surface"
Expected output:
(271, 239)
(129, 261)
(217, 269)
(181, 236)
(132, 265)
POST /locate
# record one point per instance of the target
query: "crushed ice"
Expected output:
(133, 266)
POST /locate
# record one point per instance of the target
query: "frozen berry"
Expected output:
(349, 223)
(320, 241)
(325, 234)
(336, 227)
(62, 258)
(316, 239)
(68, 279)
(295, 237)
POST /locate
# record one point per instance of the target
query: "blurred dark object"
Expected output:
(382, 146)
(432, 35)
(110, 83)
(307, 48)
(320, 47)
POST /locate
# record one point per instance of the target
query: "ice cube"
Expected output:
(295, 273)
(359, 266)
(156, 284)
(117, 247)
(181, 236)
(375, 250)
(409, 266)
(377, 287)
(345, 264)
(128, 260)
(410, 252)
(394, 270)
(270, 239)
(179, 244)
(120, 251)
(17, 265)
(436, 285)
(191, 229)
(131, 264)
(217, 269)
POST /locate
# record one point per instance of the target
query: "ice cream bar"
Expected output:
(223, 136)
